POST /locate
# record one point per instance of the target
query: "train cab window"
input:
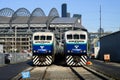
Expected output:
(82, 36)
(49, 37)
(42, 38)
(69, 36)
(36, 37)
(76, 36)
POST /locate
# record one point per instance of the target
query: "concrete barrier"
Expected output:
(13, 58)
(18, 57)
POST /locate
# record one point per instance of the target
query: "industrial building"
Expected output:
(110, 44)
(17, 27)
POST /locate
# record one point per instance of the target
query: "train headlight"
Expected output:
(34, 51)
(84, 51)
(68, 51)
(49, 51)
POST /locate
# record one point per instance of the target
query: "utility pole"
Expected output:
(100, 22)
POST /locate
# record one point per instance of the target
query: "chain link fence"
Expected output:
(12, 58)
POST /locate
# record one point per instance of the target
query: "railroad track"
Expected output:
(85, 73)
(55, 72)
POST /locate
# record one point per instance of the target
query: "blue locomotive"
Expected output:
(76, 47)
(43, 48)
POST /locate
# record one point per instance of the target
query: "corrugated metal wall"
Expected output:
(110, 44)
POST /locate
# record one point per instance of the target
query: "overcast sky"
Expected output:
(89, 9)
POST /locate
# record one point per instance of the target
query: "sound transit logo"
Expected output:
(41, 47)
(76, 46)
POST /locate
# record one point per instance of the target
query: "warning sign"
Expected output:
(106, 57)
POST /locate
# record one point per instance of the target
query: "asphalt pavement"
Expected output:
(7, 72)
(109, 69)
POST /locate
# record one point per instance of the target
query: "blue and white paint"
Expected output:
(76, 47)
(40, 48)
(43, 48)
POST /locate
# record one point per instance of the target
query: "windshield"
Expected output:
(69, 36)
(42, 37)
(49, 37)
(36, 37)
(76, 36)
(82, 36)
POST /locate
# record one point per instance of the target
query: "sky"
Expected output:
(89, 9)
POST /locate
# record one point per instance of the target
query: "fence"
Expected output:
(13, 57)
(2, 60)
